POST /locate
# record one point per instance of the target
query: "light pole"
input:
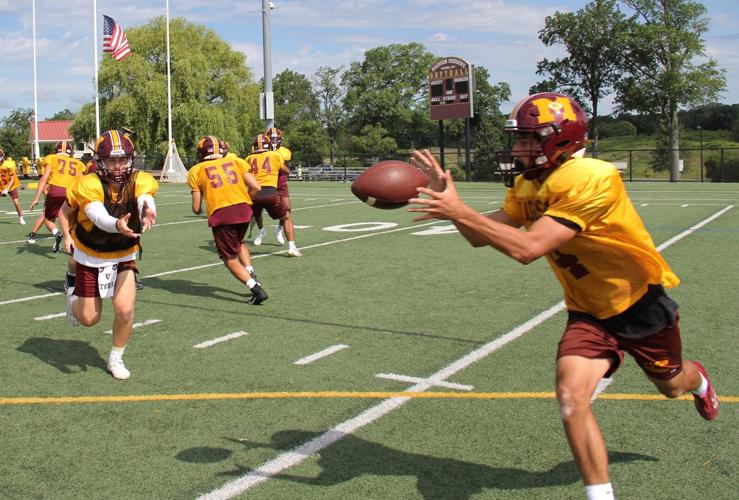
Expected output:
(700, 130)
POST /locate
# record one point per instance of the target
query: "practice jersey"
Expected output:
(221, 181)
(285, 153)
(64, 170)
(608, 265)
(89, 188)
(265, 166)
(8, 176)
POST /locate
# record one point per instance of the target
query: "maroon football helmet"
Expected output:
(275, 136)
(261, 144)
(210, 148)
(64, 147)
(114, 144)
(559, 125)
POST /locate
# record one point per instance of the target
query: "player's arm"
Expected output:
(497, 230)
(197, 201)
(252, 184)
(41, 186)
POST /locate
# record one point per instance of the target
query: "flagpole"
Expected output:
(268, 106)
(169, 101)
(95, 65)
(35, 92)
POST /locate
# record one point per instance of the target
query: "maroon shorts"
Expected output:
(269, 200)
(86, 281)
(55, 198)
(13, 194)
(658, 355)
(229, 238)
(282, 186)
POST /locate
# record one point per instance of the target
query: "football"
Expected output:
(389, 184)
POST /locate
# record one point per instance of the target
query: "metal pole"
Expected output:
(95, 65)
(700, 129)
(269, 118)
(441, 144)
(468, 165)
(35, 93)
(169, 167)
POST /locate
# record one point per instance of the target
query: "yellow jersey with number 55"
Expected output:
(221, 181)
(612, 259)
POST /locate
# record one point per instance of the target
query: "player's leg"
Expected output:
(287, 223)
(660, 357)
(18, 209)
(586, 354)
(577, 378)
(261, 232)
(231, 249)
(124, 302)
(84, 305)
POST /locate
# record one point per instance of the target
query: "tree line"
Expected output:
(648, 54)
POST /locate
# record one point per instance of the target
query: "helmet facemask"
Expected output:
(112, 145)
(114, 172)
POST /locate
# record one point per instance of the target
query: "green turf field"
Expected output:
(303, 400)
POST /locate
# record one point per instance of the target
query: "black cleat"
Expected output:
(139, 285)
(57, 242)
(258, 295)
(69, 280)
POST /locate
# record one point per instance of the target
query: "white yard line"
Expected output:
(50, 316)
(321, 354)
(416, 380)
(288, 459)
(225, 338)
(139, 325)
(24, 299)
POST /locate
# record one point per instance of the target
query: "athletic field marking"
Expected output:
(142, 398)
(694, 228)
(218, 340)
(24, 299)
(685, 205)
(50, 316)
(644, 205)
(415, 380)
(139, 325)
(320, 354)
(288, 459)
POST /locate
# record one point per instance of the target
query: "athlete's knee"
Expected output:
(572, 400)
(89, 318)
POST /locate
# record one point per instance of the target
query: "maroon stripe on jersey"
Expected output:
(232, 214)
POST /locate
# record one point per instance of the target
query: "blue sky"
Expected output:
(500, 35)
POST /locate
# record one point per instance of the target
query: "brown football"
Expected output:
(389, 184)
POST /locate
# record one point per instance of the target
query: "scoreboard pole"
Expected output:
(441, 144)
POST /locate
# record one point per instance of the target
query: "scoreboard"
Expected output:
(451, 87)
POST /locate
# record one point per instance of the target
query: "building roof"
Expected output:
(51, 131)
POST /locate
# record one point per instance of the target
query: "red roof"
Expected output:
(52, 131)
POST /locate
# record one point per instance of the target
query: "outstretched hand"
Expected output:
(123, 228)
(443, 201)
(148, 217)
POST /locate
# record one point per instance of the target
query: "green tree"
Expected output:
(330, 91)
(592, 38)
(213, 92)
(389, 88)
(663, 43)
(373, 141)
(64, 114)
(15, 133)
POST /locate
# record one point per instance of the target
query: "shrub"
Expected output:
(729, 172)
(617, 129)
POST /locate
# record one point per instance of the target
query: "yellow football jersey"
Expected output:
(64, 170)
(221, 181)
(8, 176)
(285, 153)
(607, 266)
(89, 188)
(265, 166)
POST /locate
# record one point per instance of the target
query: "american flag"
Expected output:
(114, 39)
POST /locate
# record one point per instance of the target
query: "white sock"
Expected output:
(53, 233)
(700, 391)
(291, 244)
(251, 283)
(250, 269)
(117, 352)
(278, 228)
(599, 491)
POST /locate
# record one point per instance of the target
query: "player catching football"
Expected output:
(577, 214)
(102, 221)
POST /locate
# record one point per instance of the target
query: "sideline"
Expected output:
(328, 395)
